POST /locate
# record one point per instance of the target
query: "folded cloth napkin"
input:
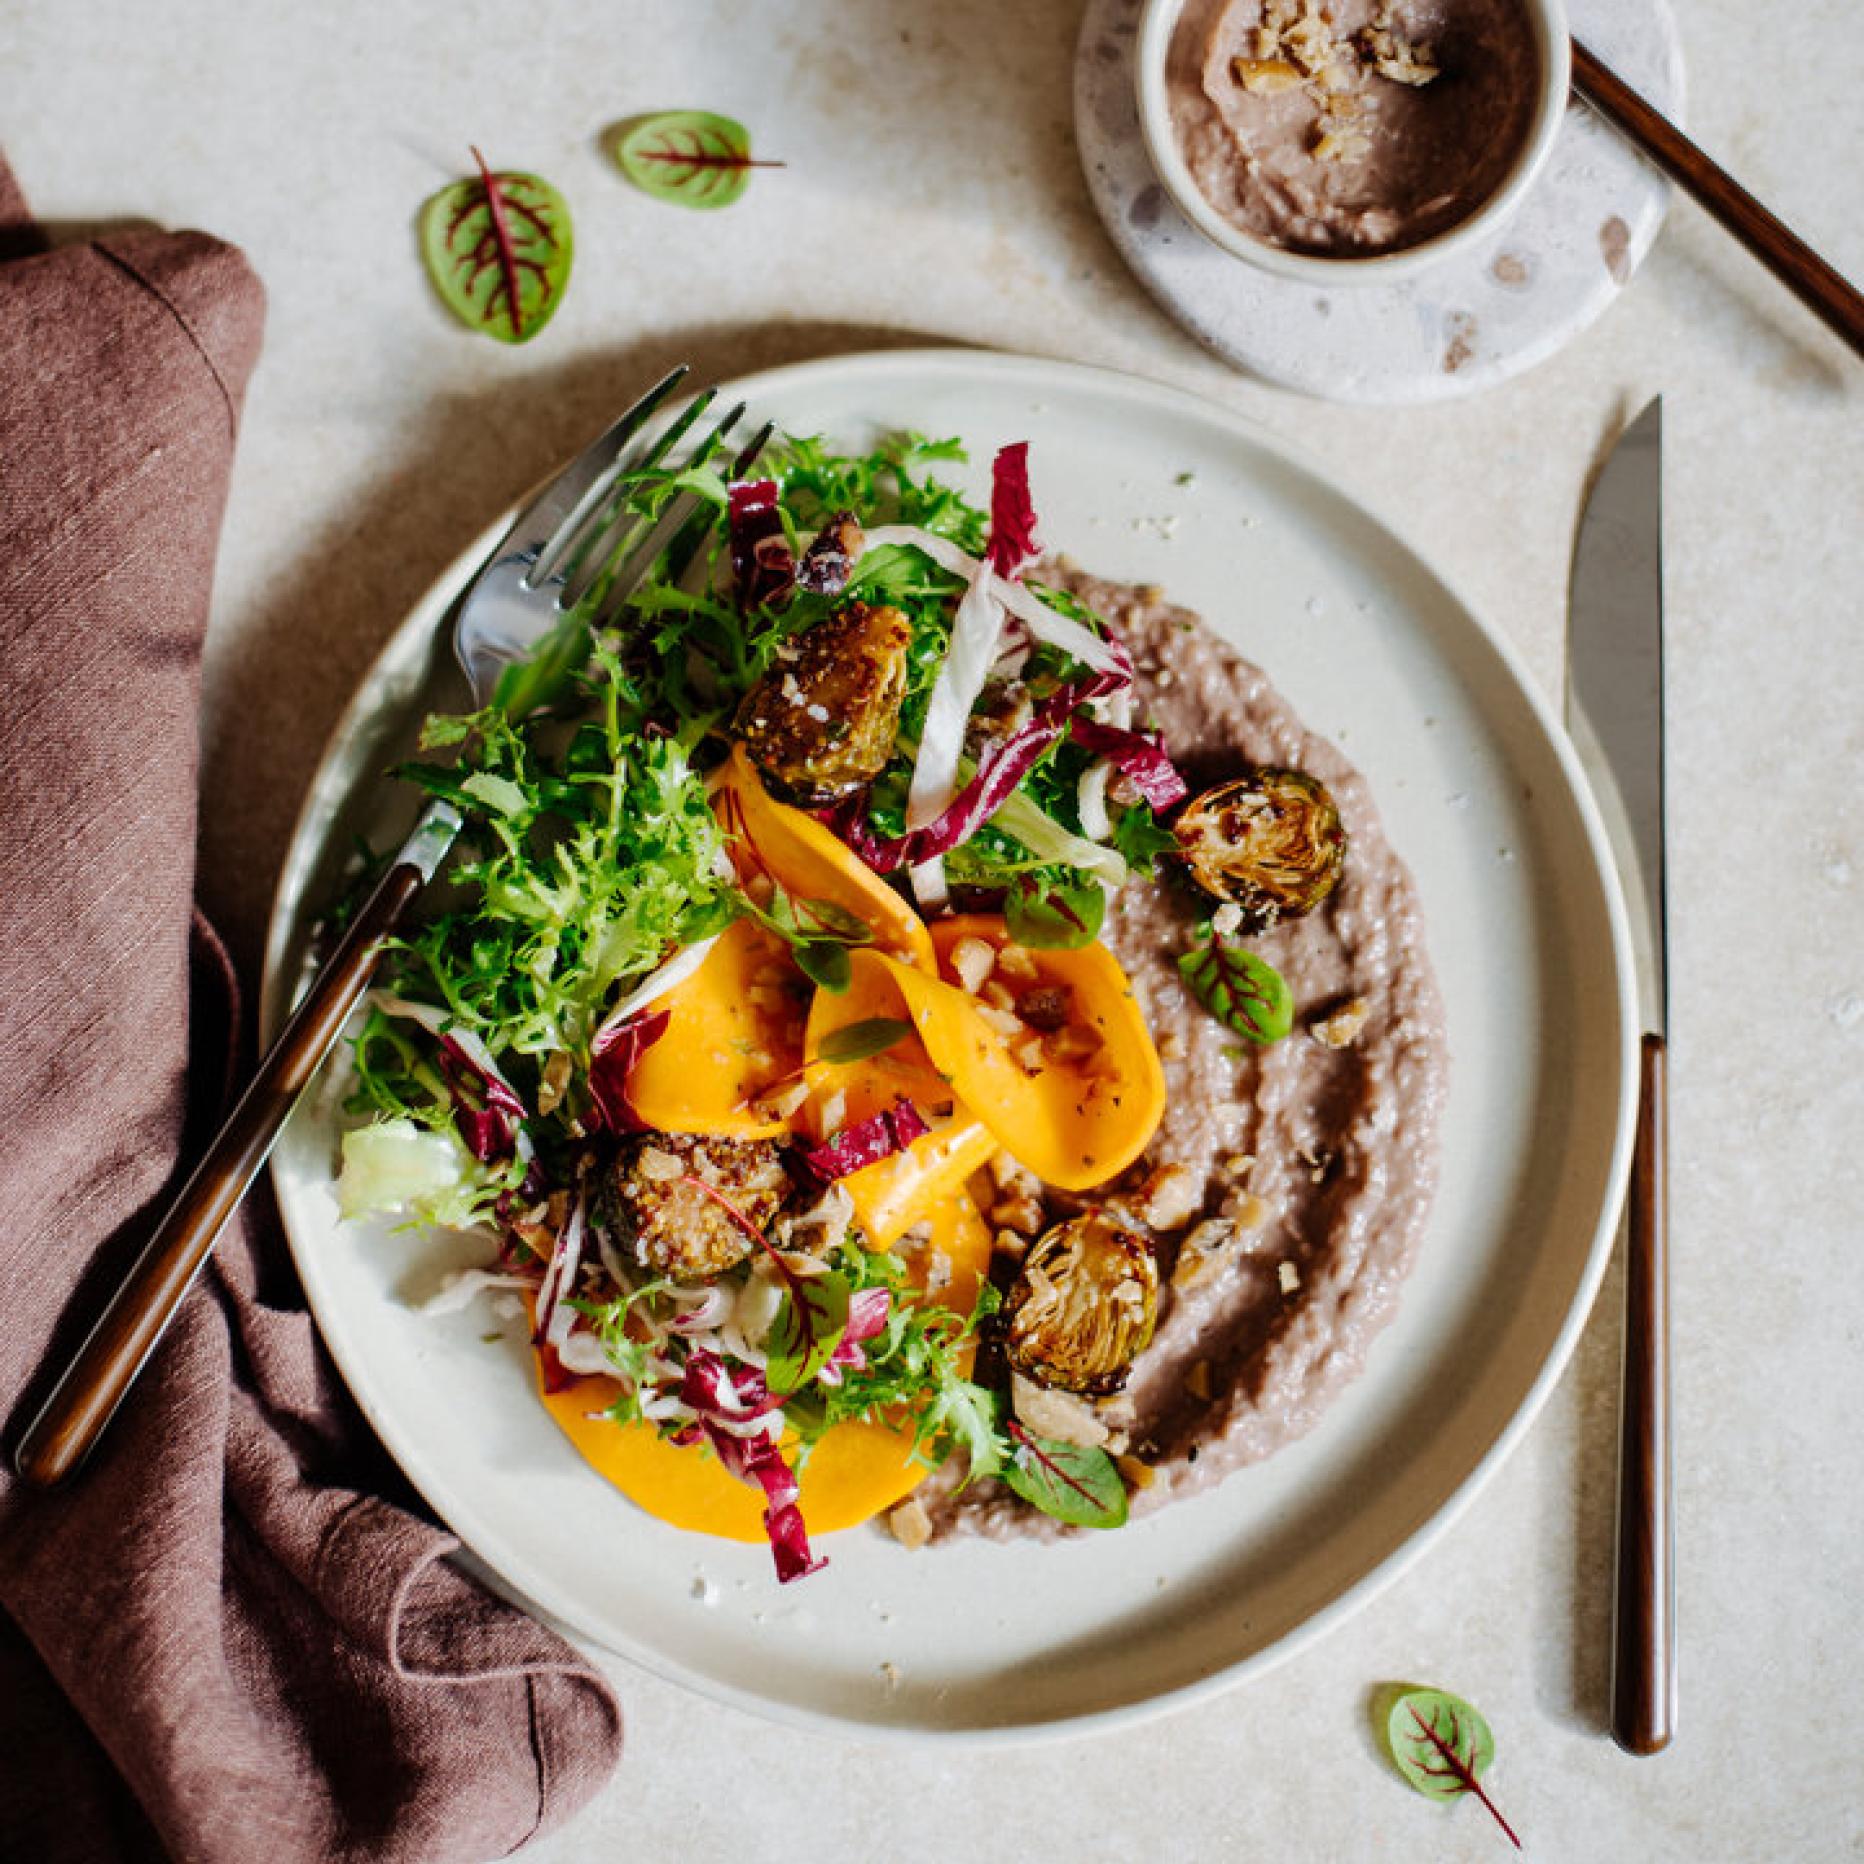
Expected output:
(220, 1642)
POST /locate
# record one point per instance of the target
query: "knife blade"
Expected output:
(1615, 714)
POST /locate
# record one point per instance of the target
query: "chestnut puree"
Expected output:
(1350, 127)
(1326, 1157)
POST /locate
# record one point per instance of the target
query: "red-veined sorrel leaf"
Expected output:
(1442, 1746)
(693, 158)
(808, 1327)
(1242, 991)
(1074, 1482)
(498, 248)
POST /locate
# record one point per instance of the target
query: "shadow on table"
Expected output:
(283, 682)
(1587, 1628)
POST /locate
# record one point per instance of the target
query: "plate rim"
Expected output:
(524, 1587)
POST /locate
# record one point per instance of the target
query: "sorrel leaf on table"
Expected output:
(692, 158)
(498, 248)
(1074, 1482)
(809, 1323)
(1242, 991)
(1443, 1746)
(1047, 915)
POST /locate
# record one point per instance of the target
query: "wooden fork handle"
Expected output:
(1818, 285)
(60, 1437)
(1643, 1628)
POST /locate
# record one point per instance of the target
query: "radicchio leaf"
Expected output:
(553, 1319)
(1075, 1482)
(871, 1036)
(868, 1141)
(757, 1460)
(1002, 765)
(486, 1107)
(616, 1050)
(692, 158)
(486, 1111)
(717, 1394)
(761, 559)
(868, 1313)
(1139, 756)
(498, 248)
(1012, 511)
(1242, 991)
(1443, 1746)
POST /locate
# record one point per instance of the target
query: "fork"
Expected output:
(570, 562)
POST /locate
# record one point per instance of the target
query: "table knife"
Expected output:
(1614, 705)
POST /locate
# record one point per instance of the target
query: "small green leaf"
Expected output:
(692, 158)
(1242, 991)
(825, 919)
(808, 1327)
(824, 962)
(498, 248)
(1048, 917)
(526, 685)
(857, 1041)
(496, 793)
(1073, 1482)
(1443, 1747)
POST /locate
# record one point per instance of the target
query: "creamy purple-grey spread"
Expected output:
(1350, 127)
(1288, 1187)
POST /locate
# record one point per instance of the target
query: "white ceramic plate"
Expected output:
(1479, 794)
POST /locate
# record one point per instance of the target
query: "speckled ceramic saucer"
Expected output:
(1481, 317)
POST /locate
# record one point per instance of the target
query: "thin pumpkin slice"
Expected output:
(1075, 1111)
(813, 863)
(855, 1472)
(734, 1034)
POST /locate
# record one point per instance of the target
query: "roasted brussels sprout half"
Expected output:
(820, 724)
(1270, 843)
(1082, 1307)
(650, 1199)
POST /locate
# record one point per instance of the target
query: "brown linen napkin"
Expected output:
(222, 1612)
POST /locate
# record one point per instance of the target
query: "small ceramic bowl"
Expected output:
(1546, 21)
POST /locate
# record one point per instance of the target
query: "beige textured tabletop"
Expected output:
(933, 194)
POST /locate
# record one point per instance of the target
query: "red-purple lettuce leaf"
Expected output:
(761, 559)
(613, 1059)
(867, 1141)
(1138, 756)
(1012, 511)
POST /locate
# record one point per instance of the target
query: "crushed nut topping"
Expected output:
(1297, 47)
(1340, 1027)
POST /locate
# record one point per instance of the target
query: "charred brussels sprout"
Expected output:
(1270, 842)
(820, 724)
(664, 1197)
(1082, 1308)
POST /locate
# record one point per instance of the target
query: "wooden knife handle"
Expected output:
(72, 1419)
(1818, 285)
(1643, 1627)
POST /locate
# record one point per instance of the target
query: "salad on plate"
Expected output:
(923, 1032)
